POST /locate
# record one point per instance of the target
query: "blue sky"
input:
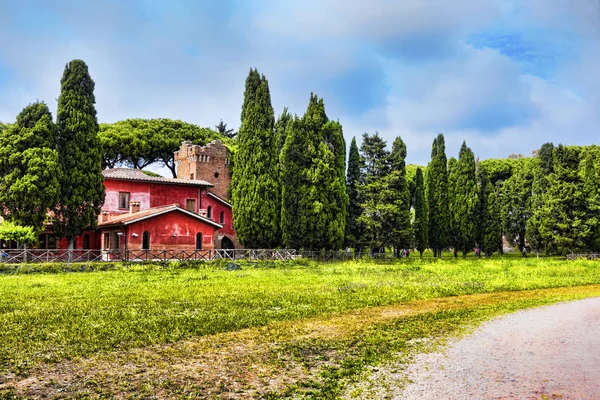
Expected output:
(504, 75)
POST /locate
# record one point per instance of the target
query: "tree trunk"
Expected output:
(71, 248)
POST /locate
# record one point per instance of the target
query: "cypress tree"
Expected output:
(81, 180)
(420, 221)
(566, 219)
(294, 161)
(314, 199)
(29, 168)
(255, 183)
(353, 180)
(515, 204)
(452, 226)
(466, 201)
(542, 167)
(397, 196)
(437, 197)
(376, 212)
(491, 230)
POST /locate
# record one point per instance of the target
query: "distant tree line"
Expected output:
(292, 188)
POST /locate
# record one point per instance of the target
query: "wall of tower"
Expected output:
(209, 163)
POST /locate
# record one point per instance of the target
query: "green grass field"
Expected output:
(88, 320)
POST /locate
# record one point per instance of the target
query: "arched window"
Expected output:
(146, 241)
(86, 242)
(209, 212)
(199, 241)
(222, 218)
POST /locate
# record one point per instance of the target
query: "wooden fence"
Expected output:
(593, 256)
(34, 256)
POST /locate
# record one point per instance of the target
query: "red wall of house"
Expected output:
(217, 207)
(161, 230)
(63, 243)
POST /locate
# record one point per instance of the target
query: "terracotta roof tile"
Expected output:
(130, 174)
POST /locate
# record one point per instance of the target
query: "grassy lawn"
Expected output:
(293, 329)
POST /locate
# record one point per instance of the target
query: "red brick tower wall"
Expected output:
(209, 163)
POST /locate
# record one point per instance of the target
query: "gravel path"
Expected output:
(544, 353)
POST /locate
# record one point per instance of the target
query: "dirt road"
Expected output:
(544, 353)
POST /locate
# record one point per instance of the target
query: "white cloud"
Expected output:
(374, 19)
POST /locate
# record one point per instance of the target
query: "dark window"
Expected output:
(47, 241)
(146, 241)
(199, 241)
(43, 243)
(191, 177)
(209, 212)
(86, 242)
(222, 218)
(123, 199)
(216, 174)
(107, 241)
(116, 240)
(190, 205)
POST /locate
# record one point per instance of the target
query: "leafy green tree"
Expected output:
(26, 235)
(374, 192)
(314, 198)
(590, 173)
(222, 129)
(255, 181)
(542, 168)
(81, 180)
(295, 207)
(567, 222)
(420, 220)
(353, 180)
(29, 168)
(398, 226)
(515, 204)
(491, 230)
(465, 201)
(452, 186)
(437, 197)
(138, 143)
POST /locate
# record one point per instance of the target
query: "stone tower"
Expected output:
(209, 163)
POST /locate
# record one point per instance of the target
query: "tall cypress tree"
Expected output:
(489, 216)
(314, 199)
(466, 201)
(542, 167)
(437, 197)
(353, 180)
(81, 180)
(397, 195)
(420, 221)
(255, 183)
(566, 219)
(29, 168)
(294, 161)
(452, 226)
(375, 211)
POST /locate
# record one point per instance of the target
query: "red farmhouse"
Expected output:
(144, 212)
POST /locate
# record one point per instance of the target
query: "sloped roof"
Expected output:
(222, 200)
(127, 219)
(130, 174)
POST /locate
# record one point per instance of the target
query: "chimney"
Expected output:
(134, 206)
(104, 216)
